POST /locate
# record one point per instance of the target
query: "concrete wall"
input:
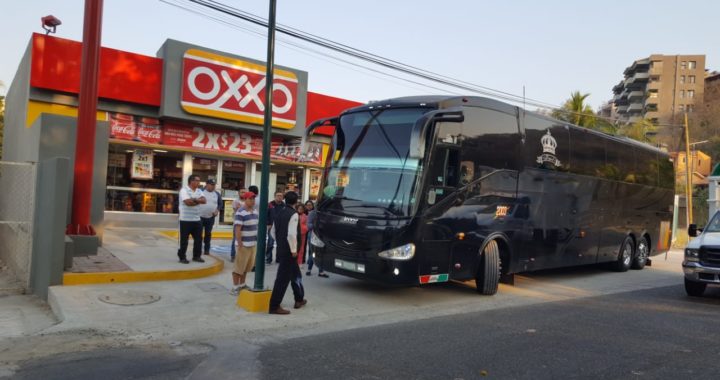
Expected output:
(51, 200)
(57, 140)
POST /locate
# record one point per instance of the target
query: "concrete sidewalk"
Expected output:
(134, 254)
(203, 309)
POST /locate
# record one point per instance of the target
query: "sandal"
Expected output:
(323, 275)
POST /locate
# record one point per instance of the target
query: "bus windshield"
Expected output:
(372, 172)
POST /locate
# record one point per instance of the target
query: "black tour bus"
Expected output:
(430, 189)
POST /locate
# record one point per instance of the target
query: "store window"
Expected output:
(206, 168)
(233, 176)
(143, 180)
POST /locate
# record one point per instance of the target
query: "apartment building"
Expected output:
(661, 88)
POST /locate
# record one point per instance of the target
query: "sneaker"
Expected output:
(184, 261)
(198, 259)
(234, 291)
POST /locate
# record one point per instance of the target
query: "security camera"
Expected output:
(49, 23)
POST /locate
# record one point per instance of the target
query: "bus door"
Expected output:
(437, 226)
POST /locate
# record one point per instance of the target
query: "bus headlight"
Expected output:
(402, 253)
(692, 254)
(314, 240)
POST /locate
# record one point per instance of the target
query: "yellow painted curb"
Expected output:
(254, 302)
(132, 276)
(215, 235)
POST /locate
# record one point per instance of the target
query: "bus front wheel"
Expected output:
(488, 274)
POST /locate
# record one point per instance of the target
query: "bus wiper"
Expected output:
(388, 210)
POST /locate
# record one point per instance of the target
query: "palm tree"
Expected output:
(576, 111)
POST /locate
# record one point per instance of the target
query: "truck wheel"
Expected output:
(641, 254)
(624, 259)
(488, 274)
(695, 289)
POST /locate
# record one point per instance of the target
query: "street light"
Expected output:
(50, 23)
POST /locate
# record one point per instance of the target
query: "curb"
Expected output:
(173, 234)
(132, 276)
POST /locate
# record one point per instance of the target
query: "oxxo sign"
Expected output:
(233, 89)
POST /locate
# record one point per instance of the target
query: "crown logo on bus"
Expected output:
(548, 143)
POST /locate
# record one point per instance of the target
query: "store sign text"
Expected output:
(211, 140)
(234, 89)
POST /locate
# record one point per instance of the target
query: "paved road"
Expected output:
(641, 334)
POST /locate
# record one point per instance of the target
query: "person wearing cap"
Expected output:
(209, 211)
(246, 228)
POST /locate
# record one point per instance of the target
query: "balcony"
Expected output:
(635, 108)
(651, 101)
(618, 87)
(622, 109)
(653, 85)
(641, 77)
(635, 95)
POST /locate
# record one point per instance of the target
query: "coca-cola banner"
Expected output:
(135, 128)
(122, 126)
(212, 139)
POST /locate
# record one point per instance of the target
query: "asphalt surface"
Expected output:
(656, 333)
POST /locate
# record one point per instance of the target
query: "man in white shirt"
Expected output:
(286, 232)
(190, 199)
(209, 211)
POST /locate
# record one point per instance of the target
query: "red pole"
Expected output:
(86, 121)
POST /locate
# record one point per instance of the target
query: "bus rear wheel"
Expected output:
(488, 273)
(641, 254)
(625, 256)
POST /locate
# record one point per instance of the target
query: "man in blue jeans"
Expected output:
(275, 206)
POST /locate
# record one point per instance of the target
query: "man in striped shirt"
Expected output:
(246, 227)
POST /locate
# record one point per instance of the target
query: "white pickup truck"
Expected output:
(702, 257)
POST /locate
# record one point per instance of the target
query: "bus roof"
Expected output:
(448, 101)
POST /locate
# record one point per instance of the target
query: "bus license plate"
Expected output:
(348, 265)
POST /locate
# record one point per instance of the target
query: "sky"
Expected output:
(550, 48)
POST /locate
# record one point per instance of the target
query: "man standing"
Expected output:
(236, 205)
(286, 232)
(209, 211)
(275, 206)
(245, 228)
(190, 199)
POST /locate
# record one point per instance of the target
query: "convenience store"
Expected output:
(189, 110)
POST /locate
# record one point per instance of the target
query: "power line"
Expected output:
(312, 52)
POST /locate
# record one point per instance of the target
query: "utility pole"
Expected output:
(86, 121)
(688, 179)
(267, 139)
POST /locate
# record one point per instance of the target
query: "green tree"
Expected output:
(577, 111)
(640, 130)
